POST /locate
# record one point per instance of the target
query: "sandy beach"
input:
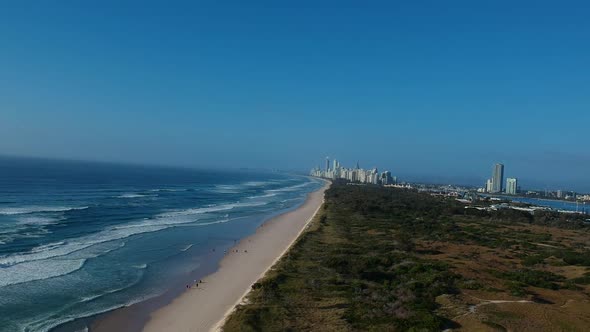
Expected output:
(205, 307)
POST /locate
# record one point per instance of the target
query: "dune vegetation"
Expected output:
(386, 259)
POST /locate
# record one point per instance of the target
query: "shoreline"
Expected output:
(219, 325)
(178, 310)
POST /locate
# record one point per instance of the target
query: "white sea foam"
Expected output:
(10, 234)
(209, 209)
(168, 189)
(48, 246)
(222, 221)
(90, 298)
(94, 297)
(66, 256)
(290, 199)
(64, 248)
(187, 247)
(291, 188)
(131, 196)
(46, 261)
(271, 194)
(49, 322)
(37, 220)
(229, 188)
(256, 183)
(33, 270)
(37, 209)
(11, 229)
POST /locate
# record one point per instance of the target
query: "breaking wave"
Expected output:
(37, 209)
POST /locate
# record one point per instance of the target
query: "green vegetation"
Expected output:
(371, 262)
(534, 278)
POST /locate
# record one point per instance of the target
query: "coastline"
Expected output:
(320, 193)
(224, 285)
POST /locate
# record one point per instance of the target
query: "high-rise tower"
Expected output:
(498, 178)
(327, 164)
(511, 186)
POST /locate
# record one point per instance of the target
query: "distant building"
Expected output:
(369, 176)
(559, 194)
(490, 185)
(386, 178)
(498, 178)
(511, 186)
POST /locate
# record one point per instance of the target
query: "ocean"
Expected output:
(79, 238)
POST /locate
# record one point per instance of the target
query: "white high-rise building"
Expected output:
(490, 185)
(511, 186)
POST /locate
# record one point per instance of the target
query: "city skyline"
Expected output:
(356, 174)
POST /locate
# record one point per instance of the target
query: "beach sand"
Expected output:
(204, 308)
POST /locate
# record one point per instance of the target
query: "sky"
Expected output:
(434, 91)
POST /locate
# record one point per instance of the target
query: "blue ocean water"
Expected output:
(77, 239)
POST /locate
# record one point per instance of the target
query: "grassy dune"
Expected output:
(382, 259)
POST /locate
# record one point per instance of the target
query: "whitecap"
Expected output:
(94, 297)
(228, 188)
(271, 194)
(36, 209)
(90, 298)
(212, 208)
(132, 195)
(256, 183)
(33, 270)
(222, 221)
(291, 188)
(37, 220)
(168, 190)
(187, 247)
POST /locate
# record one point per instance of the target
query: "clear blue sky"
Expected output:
(436, 90)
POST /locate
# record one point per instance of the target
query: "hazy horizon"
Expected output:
(433, 92)
(402, 177)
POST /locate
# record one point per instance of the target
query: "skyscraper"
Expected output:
(327, 164)
(488, 186)
(386, 178)
(511, 186)
(498, 178)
